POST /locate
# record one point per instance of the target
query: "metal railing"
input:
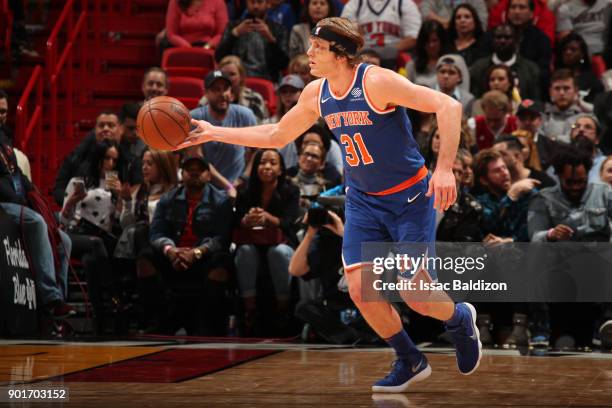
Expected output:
(29, 120)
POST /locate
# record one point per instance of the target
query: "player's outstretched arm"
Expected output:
(295, 122)
(387, 88)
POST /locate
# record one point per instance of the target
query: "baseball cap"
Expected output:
(198, 159)
(529, 106)
(293, 81)
(213, 76)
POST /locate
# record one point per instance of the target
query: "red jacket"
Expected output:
(484, 136)
(543, 18)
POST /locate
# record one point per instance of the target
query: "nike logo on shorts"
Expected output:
(410, 200)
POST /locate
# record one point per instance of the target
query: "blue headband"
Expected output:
(348, 46)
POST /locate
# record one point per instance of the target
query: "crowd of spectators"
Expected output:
(220, 229)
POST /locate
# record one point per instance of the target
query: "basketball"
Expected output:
(163, 122)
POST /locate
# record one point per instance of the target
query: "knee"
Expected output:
(280, 251)
(245, 252)
(355, 292)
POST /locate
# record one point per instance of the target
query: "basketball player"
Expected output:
(390, 196)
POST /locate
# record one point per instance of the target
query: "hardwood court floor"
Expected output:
(121, 375)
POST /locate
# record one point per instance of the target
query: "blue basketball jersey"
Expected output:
(380, 152)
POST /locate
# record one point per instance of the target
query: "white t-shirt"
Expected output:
(380, 21)
(589, 22)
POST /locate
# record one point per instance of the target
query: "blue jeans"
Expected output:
(247, 263)
(40, 254)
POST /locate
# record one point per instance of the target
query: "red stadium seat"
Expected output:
(6, 28)
(188, 61)
(598, 65)
(190, 103)
(266, 89)
(185, 87)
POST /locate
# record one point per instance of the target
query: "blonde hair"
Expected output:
(232, 59)
(533, 161)
(346, 28)
(297, 62)
(497, 100)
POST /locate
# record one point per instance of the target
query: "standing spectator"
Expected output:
(312, 12)
(195, 23)
(504, 203)
(512, 153)
(388, 26)
(76, 163)
(543, 18)
(154, 83)
(454, 80)
(499, 78)
(587, 18)
(266, 210)
(606, 171)
(496, 120)
(572, 53)
(560, 113)
(261, 44)
(504, 49)
(232, 67)
(227, 159)
(533, 43)
(51, 276)
(441, 11)
(430, 46)
(190, 232)
(465, 34)
(585, 133)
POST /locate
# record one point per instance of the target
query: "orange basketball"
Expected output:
(163, 122)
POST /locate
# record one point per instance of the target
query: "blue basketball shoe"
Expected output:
(466, 338)
(402, 375)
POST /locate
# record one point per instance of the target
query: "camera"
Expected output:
(318, 216)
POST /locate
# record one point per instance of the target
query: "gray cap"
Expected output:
(293, 81)
(457, 61)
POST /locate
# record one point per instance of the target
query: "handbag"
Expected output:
(258, 236)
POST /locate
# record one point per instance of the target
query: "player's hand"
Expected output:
(560, 233)
(444, 189)
(200, 134)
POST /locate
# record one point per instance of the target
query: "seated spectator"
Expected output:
(505, 51)
(261, 44)
(432, 148)
(190, 233)
(606, 171)
(467, 182)
(369, 56)
(313, 11)
(321, 135)
(461, 222)
(465, 34)
(585, 135)
(154, 83)
(226, 158)
(511, 151)
(6, 136)
(131, 145)
(442, 11)
(289, 90)
(454, 80)
(392, 28)
(266, 210)
(90, 215)
(48, 254)
(499, 78)
(281, 13)
(587, 18)
(529, 151)
(496, 120)
(300, 66)
(431, 44)
(308, 174)
(543, 18)
(77, 162)
(195, 23)
(504, 217)
(572, 53)
(529, 118)
(534, 45)
(232, 67)
(565, 105)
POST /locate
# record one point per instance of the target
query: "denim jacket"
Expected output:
(590, 219)
(212, 219)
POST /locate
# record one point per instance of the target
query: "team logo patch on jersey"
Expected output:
(356, 92)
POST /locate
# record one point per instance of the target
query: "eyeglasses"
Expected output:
(585, 127)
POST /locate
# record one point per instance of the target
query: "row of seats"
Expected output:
(186, 68)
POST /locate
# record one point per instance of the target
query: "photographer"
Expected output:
(319, 255)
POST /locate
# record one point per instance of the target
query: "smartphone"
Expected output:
(79, 184)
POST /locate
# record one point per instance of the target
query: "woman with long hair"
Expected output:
(312, 12)
(499, 77)
(266, 209)
(430, 46)
(465, 34)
